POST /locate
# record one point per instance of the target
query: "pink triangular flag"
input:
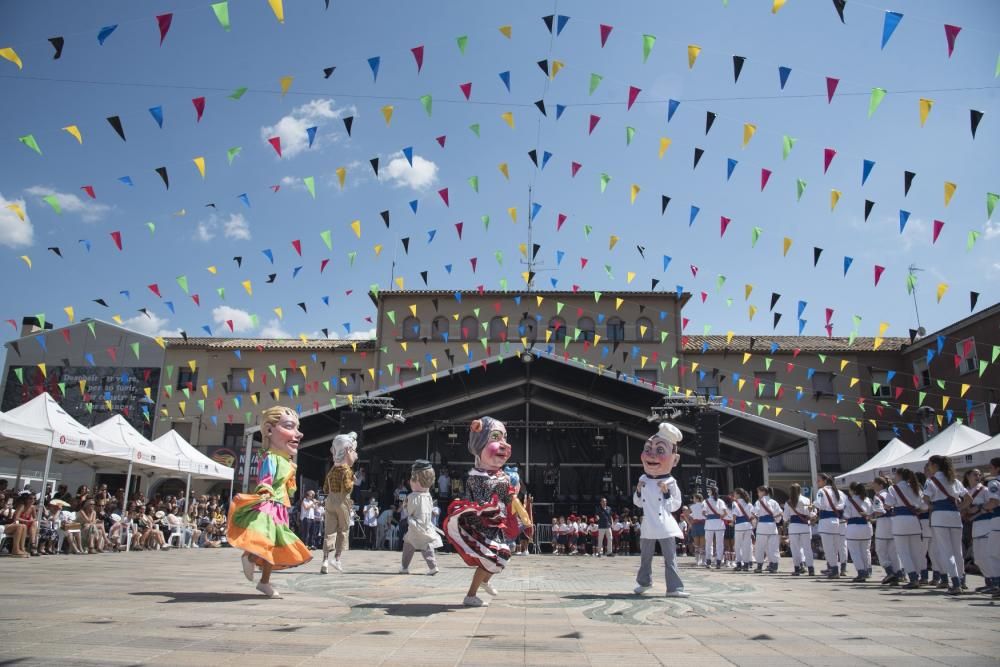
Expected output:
(560, 220)
(276, 143)
(443, 192)
(473, 261)
(605, 31)
(466, 89)
(117, 236)
(574, 167)
(164, 20)
(441, 140)
(199, 106)
(828, 154)
(765, 174)
(831, 88)
(633, 93)
(594, 120)
(951, 33)
(704, 297)
(694, 270)
(724, 225)
(89, 189)
(418, 55)
(878, 273)
(458, 227)
(583, 262)
(938, 226)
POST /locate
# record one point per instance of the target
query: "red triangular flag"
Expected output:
(199, 106)
(155, 289)
(878, 273)
(89, 189)
(117, 236)
(458, 228)
(441, 140)
(322, 265)
(831, 88)
(473, 261)
(583, 262)
(764, 175)
(704, 297)
(724, 224)
(694, 270)
(276, 143)
(560, 220)
(828, 154)
(633, 93)
(574, 167)
(418, 55)
(594, 120)
(113, 353)
(163, 21)
(605, 31)
(443, 192)
(196, 299)
(466, 89)
(274, 188)
(229, 323)
(297, 244)
(951, 33)
(938, 226)
(829, 314)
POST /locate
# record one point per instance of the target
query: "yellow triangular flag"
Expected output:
(965, 388)
(505, 31)
(854, 381)
(629, 277)
(18, 211)
(729, 337)
(75, 131)
(664, 145)
(378, 249)
(753, 310)
(504, 170)
(387, 113)
(556, 66)
(635, 192)
(748, 131)
(278, 9)
(11, 55)
(693, 51)
(512, 212)
(523, 247)
(248, 286)
(200, 163)
(341, 175)
(213, 270)
(508, 118)
(925, 109)
(777, 5)
(618, 303)
(834, 198)
(612, 242)
(746, 357)
(949, 191)
(399, 282)
(70, 313)
(356, 226)
(413, 309)
(746, 293)
(786, 244)
(843, 364)
(941, 289)
(286, 83)
(279, 312)
(193, 365)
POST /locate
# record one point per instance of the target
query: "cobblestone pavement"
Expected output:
(194, 607)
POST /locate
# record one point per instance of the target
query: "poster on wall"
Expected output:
(90, 394)
(237, 459)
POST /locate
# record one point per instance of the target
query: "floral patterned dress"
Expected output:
(475, 525)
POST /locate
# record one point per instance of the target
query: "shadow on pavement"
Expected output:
(414, 609)
(200, 596)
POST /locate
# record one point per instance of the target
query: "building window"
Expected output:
(528, 328)
(187, 378)
(965, 350)
(922, 372)
(293, 377)
(587, 328)
(232, 436)
(411, 328)
(183, 429)
(822, 383)
(408, 374)
(979, 419)
(616, 330)
(829, 449)
(708, 385)
(470, 327)
(644, 329)
(884, 436)
(647, 375)
(350, 381)
(557, 326)
(238, 381)
(498, 330)
(440, 328)
(765, 381)
(882, 390)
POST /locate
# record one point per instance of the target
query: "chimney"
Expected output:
(31, 325)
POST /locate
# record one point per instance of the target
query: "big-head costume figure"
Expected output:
(421, 535)
(338, 487)
(658, 496)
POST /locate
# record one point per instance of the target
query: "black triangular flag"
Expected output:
(777, 318)
(423, 276)
(326, 334)
(348, 123)
(869, 205)
(973, 300)
(709, 120)
(816, 253)
(184, 335)
(239, 261)
(101, 302)
(302, 305)
(907, 181)
(116, 123)
(913, 335)
(548, 21)
(541, 107)
(406, 244)
(642, 251)
(385, 218)
(535, 247)
(328, 71)
(534, 156)
(56, 250)
(211, 204)
(544, 65)
(698, 152)
(975, 117)
(57, 43)
(271, 277)
(737, 67)
(664, 200)
(774, 299)
(653, 283)
(374, 163)
(839, 5)
(162, 171)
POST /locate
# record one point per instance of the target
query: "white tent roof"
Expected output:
(866, 472)
(29, 429)
(201, 465)
(978, 455)
(948, 442)
(118, 430)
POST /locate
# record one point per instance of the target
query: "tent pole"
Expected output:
(20, 467)
(766, 469)
(813, 471)
(41, 495)
(187, 497)
(128, 525)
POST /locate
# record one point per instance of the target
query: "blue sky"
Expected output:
(131, 72)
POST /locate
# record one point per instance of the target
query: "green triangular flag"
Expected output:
(254, 320)
(222, 292)
(605, 179)
(876, 99)
(29, 141)
(991, 202)
(629, 133)
(284, 375)
(973, 237)
(427, 102)
(135, 349)
(53, 201)
(475, 128)
(233, 152)
(851, 337)
(787, 143)
(238, 93)
(755, 236)
(463, 41)
(822, 358)
(559, 306)
(93, 330)
(595, 81)
(486, 222)
(221, 10)
(152, 227)
(911, 282)
(474, 182)
(800, 187)
(499, 255)
(391, 315)
(503, 286)
(719, 282)
(62, 388)
(170, 371)
(921, 396)
(327, 239)
(982, 367)
(586, 230)
(41, 319)
(310, 185)
(183, 282)
(597, 296)
(607, 270)
(647, 45)
(351, 256)
(19, 372)
(373, 288)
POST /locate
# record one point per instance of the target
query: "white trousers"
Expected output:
(993, 548)
(861, 554)
(744, 546)
(949, 546)
(912, 551)
(714, 548)
(832, 543)
(981, 555)
(766, 548)
(609, 546)
(800, 545)
(931, 550)
(888, 553)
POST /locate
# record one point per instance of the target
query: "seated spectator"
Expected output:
(82, 495)
(48, 529)
(18, 532)
(90, 527)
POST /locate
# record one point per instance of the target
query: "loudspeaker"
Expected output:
(351, 420)
(707, 433)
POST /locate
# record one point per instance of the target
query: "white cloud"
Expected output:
(88, 209)
(273, 330)
(362, 335)
(422, 175)
(991, 230)
(14, 232)
(153, 325)
(241, 319)
(292, 128)
(233, 227)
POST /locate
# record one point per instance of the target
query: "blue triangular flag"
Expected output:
(170, 305)
(671, 108)
(207, 329)
(892, 20)
(903, 217)
(447, 267)
(373, 63)
(559, 257)
(559, 110)
(325, 299)
(105, 33)
(86, 244)
(940, 344)
(430, 234)
(561, 22)
(296, 270)
(157, 113)
(413, 205)
(311, 133)
(694, 214)
(245, 199)
(347, 327)
(802, 308)
(783, 73)
(125, 293)
(41, 341)
(680, 291)
(847, 263)
(267, 253)
(408, 154)
(802, 325)
(730, 166)
(545, 158)
(535, 208)
(127, 180)
(866, 170)
(89, 357)
(554, 281)
(505, 77)
(666, 261)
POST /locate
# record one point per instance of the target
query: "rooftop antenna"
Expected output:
(912, 268)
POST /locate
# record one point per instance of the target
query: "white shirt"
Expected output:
(766, 507)
(801, 511)
(444, 484)
(904, 524)
(657, 507)
(827, 501)
(858, 531)
(698, 511)
(980, 495)
(711, 521)
(945, 516)
(883, 524)
(308, 510)
(740, 510)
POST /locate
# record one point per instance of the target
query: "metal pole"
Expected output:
(246, 463)
(766, 469)
(628, 463)
(427, 448)
(813, 470)
(187, 497)
(527, 442)
(128, 524)
(17, 482)
(41, 501)
(729, 478)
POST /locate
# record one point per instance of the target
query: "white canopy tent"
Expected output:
(948, 442)
(867, 471)
(201, 465)
(978, 455)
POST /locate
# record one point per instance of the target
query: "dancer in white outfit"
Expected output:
(768, 513)
(716, 514)
(743, 512)
(830, 503)
(885, 545)
(798, 517)
(859, 531)
(907, 504)
(948, 498)
(980, 518)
